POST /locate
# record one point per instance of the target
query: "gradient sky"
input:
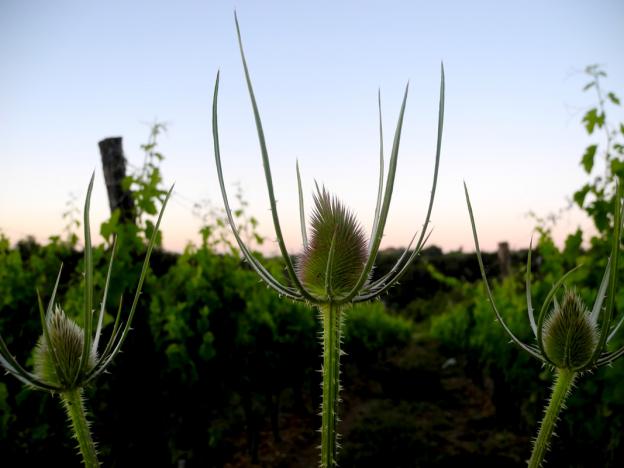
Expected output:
(74, 72)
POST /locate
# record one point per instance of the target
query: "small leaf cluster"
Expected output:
(148, 193)
(596, 197)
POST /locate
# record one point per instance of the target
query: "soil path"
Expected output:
(415, 408)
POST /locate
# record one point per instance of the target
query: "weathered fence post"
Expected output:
(504, 259)
(114, 167)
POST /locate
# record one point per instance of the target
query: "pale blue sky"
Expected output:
(75, 72)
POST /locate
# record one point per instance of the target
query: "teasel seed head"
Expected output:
(336, 239)
(67, 340)
(570, 334)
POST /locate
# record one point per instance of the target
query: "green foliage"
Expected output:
(223, 337)
(5, 410)
(148, 193)
(23, 270)
(597, 196)
(146, 183)
(195, 292)
(371, 331)
(469, 326)
(587, 161)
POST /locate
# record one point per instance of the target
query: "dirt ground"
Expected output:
(415, 408)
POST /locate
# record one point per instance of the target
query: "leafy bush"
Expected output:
(469, 326)
(371, 331)
(226, 340)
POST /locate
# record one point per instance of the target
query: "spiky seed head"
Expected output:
(570, 335)
(67, 340)
(332, 220)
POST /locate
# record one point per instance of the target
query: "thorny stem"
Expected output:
(563, 383)
(74, 405)
(332, 321)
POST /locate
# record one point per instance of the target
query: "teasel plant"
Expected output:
(334, 271)
(570, 339)
(68, 357)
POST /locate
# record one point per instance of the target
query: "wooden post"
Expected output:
(504, 259)
(114, 166)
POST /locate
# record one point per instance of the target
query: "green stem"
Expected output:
(332, 320)
(73, 403)
(561, 389)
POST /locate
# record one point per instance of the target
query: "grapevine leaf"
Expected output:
(588, 158)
